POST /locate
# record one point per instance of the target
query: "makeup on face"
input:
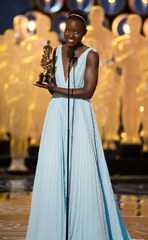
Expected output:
(74, 31)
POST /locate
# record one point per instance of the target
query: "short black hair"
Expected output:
(79, 12)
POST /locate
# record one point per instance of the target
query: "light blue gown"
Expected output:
(93, 211)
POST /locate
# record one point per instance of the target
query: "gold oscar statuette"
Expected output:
(47, 64)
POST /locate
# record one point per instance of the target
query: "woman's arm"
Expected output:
(90, 79)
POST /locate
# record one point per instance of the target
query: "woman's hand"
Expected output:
(49, 86)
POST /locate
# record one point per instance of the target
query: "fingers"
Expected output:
(43, 85)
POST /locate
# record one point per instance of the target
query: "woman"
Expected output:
(93, 212)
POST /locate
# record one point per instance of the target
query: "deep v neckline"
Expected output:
(66, 78)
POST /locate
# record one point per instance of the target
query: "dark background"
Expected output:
(10, 8)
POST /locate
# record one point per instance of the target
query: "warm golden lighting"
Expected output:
(28, 48)
(79, 1)
(47, 1)
(145, 27)
(31, 25)
(62, 26)
(6, 86)
(123, 135)
(33, 142)
(121, 205)
(142, 133)
(111, 1)
(144, 1)
(141, 109)
(126, 28)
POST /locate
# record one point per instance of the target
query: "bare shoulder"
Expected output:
(93, 56)
(93, 53)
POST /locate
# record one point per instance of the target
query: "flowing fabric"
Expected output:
(93, 211)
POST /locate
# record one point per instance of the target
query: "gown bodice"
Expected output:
(76, 73)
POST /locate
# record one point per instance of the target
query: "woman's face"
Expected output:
(74, 32)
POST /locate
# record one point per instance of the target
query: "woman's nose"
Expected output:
(71, 34)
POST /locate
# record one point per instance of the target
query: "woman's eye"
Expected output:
(68, 31)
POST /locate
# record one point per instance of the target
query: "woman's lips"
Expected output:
(71, 41)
